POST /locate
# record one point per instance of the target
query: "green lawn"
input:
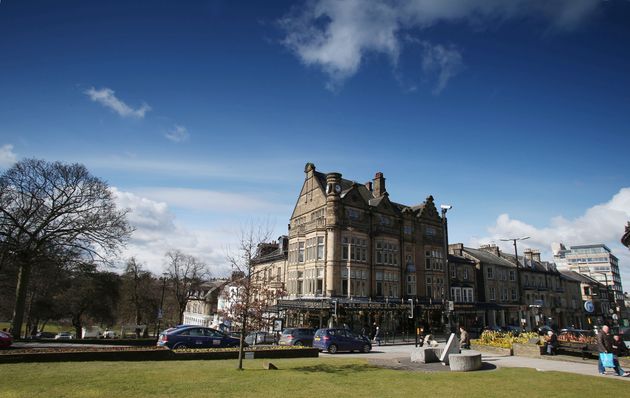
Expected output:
(314, 377)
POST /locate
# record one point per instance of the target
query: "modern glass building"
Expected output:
(596, 261)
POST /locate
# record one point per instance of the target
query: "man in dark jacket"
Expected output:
(605, 345)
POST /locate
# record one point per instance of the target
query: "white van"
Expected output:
(90, 332)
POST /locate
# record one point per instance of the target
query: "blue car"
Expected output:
(334, 340)
(195, 337)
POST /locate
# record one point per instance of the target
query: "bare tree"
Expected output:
(241, 261)
(50, 206)
(139, 298)
(185, 273)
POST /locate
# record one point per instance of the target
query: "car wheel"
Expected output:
(180, 346)
(332, 348)
(366, 348)
(298, 344)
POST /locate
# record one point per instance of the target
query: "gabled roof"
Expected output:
(426, 209)
(488, 258)
(207, 288)
(579, 277)
(452, 258)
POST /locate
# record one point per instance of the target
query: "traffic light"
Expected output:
(410, 311)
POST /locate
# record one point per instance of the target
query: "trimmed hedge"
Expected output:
(125, 342)
(153, 355)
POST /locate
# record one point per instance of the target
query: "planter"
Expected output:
(490, 349)
(154, 355)
(527, 350)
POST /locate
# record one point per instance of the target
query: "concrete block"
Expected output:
(464, 362)
(426, 354)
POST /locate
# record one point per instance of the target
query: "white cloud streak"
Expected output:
(215, 201)
(108, 99)
(177, 134)
(602, 223)
(336, 36)
(7, 156)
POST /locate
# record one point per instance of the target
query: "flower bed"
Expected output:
(502, 343)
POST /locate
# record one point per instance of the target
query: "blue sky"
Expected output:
(202, 115)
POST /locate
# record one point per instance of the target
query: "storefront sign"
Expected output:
(588, 306)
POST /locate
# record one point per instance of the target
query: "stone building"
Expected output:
(352, 248)
(498, 297)
(463, 283)
(202, 307)
(594, 304)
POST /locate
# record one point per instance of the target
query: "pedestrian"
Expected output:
(464, 339)
(605, 347)
(551, 343)
(619, 347)
(377, 335)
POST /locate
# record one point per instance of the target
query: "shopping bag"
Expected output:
(607, 359)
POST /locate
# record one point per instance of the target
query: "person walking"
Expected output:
(464, 339)
(377, 335)
(605, 346)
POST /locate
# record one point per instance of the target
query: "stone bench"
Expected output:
(426, 354)
(464, 362)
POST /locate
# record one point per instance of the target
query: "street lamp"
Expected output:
(447, 273)
(607, 288)
(161, 310)
(518, 277)
(515, 249)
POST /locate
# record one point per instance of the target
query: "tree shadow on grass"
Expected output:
(337, 369)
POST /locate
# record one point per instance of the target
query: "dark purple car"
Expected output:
(195, 337)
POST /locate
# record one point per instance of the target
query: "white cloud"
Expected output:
(602, 223)
(157, 231)
(177, 134)
(7, 156)
(336, 36)
(108, 99)
(445, 62)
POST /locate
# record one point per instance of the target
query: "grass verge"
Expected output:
(311, 378)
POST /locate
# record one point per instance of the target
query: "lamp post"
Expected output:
(161, 310)
(607, 288)
(447, 274)
(518, 277)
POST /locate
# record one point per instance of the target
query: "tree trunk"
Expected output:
(24, 275)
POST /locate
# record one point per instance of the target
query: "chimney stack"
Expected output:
(456, 249)
(379, 185)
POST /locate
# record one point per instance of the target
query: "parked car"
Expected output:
(543, 330)
(297, 336)
(334, 340)
(5, 340)
(195, 337)
(109, 334)
(260, 338)
(64, 336)
(515, 330)
(45, 335)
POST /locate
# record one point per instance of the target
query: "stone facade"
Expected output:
(350, 240)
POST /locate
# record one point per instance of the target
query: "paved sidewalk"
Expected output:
(586, 367)
(398, 357)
